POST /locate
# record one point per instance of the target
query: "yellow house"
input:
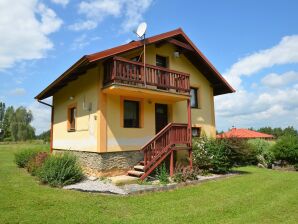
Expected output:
(114, 111)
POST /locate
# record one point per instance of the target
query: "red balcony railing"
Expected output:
(123, 71)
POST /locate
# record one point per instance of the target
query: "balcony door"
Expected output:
(161, 116)
(162, 76)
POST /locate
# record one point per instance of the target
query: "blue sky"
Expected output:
(254, 44)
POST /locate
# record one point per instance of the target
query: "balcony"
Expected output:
(123, 73)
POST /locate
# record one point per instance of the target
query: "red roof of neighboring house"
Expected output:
(243, 133)
(220, 85)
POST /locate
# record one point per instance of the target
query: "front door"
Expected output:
(161, 116)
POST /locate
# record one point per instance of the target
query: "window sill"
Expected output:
(71, 130)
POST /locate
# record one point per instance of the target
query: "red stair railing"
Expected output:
(157, 149)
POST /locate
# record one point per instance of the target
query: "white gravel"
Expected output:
(96, 186)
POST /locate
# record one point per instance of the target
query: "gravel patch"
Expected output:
(96, 186)
(103, 186)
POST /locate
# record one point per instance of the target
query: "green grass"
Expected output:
(259, 196)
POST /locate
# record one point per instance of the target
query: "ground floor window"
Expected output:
(72, 112)
(131, 114)
(196, 132)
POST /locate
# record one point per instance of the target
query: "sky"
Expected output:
(253, 44)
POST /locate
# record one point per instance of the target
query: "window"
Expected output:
(131, 114)
(194, 98)
(196, 132)
(161, 61)
(72, 111)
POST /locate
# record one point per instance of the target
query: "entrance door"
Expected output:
(161, 116)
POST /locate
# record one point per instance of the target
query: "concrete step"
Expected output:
(123, 179)
(139, 167)
(135, 173)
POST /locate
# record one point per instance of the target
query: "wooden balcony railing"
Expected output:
(157, 149)
(123, 71)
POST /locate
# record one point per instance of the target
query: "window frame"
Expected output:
(199, 132)
(197, 103)
(70, 108)
(140, 109)
(166, 61)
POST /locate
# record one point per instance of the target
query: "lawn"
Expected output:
(259, 196)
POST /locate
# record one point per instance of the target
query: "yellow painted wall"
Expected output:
(100, 130)
(85, 136)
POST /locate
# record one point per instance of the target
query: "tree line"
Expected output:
(15, 123)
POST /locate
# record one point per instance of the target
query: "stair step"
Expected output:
(135, 173)
(139, 167)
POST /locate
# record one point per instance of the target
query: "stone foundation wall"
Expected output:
(106, 164)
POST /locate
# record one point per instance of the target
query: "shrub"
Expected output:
(60, 170)
(241, 152)
(23, 157)
(36, 162)
(296, 166)
(182, 173)
(212, 154)
(286, 149)
(263, 151)
(162, 174)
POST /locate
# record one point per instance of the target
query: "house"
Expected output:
(113, 115)
(244, 134)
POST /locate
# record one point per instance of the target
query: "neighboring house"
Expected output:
(112, 116)
(244, 134)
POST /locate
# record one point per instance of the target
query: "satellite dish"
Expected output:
(141, 30)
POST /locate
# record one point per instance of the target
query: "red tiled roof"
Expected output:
(220, 85)
(243, 133)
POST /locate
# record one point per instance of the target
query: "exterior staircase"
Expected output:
(172, 137)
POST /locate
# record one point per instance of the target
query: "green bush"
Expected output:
(162, 174)
(296, 166)
(286, 149)
(36, 162)
(60, 170)
(241, 152)
(24, 156)
(263, 151)
(212, 154)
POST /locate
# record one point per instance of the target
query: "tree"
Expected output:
(17, 124)
(9, 113)
(2, 112)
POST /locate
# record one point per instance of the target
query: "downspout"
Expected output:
(52, 121)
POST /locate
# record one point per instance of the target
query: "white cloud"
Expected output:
(83, 41)
(84, 25)
(41, 117)
(61, 2)
(285, 52)
(275, 80)
(131, 11)
(275, 106)
(17, 92)
(24, 28)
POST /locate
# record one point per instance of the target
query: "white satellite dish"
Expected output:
(141, 30)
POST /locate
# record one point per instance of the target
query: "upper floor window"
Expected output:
(161, 61)
(72, 111)
(131, 114)
(194, 98)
